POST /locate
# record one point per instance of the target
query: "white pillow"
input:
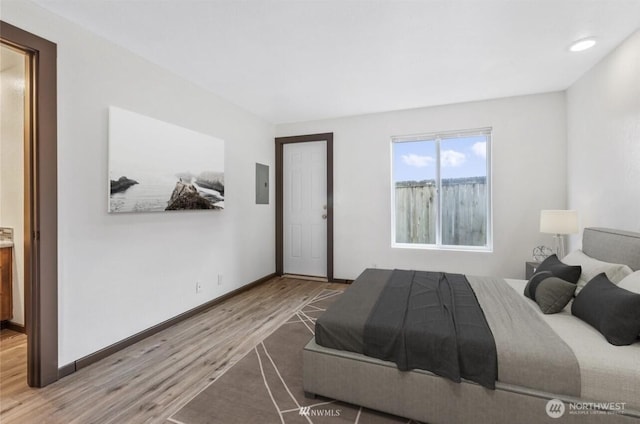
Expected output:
(631, 282)
(592, 267)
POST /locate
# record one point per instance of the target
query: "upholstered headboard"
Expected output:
(609, 245)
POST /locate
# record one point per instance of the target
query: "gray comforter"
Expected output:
(432, 321)
(530, 354)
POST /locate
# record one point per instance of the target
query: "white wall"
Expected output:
(120, 274)
(529, 157)
(12, 170)
(603, 126)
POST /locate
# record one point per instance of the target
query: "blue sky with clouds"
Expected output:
(460, 157)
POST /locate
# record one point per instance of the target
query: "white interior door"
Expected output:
(305, 208)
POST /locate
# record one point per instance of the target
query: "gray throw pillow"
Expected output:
(553, 294)
(534, 281)
(612, 310)
(561, 270)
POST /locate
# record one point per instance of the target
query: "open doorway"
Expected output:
(14, 113)
(28, 191)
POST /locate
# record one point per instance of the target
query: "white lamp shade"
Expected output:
(558, 222)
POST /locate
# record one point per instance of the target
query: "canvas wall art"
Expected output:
(157, 166)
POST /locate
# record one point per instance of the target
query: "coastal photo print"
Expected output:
(157, 166)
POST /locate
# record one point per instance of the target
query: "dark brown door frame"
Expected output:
(41, 197)
(280, 142)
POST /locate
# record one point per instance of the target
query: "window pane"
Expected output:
(463, 169)
(414, 179)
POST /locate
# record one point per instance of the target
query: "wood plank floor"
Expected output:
(13, 365)
(149, 381)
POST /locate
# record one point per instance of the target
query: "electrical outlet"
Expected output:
(219, 279)
(198, 287)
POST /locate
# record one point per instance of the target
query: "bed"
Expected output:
(606, 374)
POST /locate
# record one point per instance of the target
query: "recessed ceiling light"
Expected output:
(584, 44)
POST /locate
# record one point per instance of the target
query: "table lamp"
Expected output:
(559, 223)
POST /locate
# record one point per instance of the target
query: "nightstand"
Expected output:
(530, 269)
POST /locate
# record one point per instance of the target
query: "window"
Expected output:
(441, 191)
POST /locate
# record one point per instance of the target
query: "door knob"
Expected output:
(324, 216)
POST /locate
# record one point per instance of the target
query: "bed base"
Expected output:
(425, 397)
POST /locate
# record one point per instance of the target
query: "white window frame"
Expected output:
(437, 138)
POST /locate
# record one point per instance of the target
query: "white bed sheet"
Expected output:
(608, 373)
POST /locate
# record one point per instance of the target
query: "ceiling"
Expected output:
(290, 61)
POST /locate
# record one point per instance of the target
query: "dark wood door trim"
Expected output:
(280, 142)
(41, 197)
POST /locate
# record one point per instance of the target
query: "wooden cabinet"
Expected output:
(6, 282)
